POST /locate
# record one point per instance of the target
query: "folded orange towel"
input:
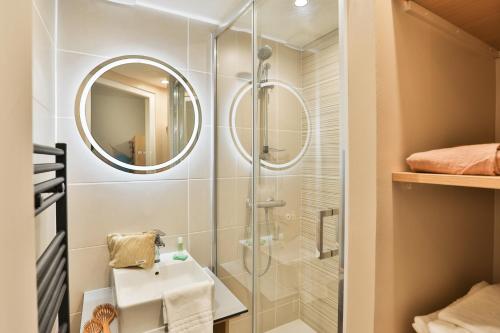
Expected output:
(481, 159)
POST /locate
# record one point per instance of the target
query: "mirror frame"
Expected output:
(96, 149)
(232, 124)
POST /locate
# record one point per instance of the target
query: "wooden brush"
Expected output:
(92, 326)
(104, 314)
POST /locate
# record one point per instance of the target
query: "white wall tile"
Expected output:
(95, 210)
(200, 159)
(103, 28)
(43, 106)
(43, 64)
(72, 68)
(200, 205)
(45, 229)
(88, 270)
(44, 123)
(47, 10)
(200, 45)
(198, 245)
(201, 83)
(102, 199)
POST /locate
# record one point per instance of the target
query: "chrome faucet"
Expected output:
(158, 243)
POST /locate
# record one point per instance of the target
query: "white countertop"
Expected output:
(226, 304)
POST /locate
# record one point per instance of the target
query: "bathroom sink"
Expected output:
(138, 292)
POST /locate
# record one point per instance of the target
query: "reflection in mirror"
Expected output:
(139, 116)
(284, 131)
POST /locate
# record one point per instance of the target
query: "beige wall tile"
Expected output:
(227, 89)
(229, 248)
(226, 154)
(226, 202)
(228, 55)
(239, 290)
(266, 320)
(95, 210)
(290, 110)
(287, 313)
(88, 270)
(240, 325)
(75, 322)
(85, 167)
(289, 65)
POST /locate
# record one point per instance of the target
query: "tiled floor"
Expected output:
(296, 326)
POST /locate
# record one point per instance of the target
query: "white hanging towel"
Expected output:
(477, 313)
(189, 308)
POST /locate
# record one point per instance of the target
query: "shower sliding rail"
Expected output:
(52, 265)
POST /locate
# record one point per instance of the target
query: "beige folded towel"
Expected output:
(189, 308)
(129, 250)
(465, 160)
(478, 313)
(421, 324)
(440, 326)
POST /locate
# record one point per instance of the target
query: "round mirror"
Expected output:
(138, 114)
(284, 129)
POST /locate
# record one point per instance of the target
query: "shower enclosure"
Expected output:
(278, 174)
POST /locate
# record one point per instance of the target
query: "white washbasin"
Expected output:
(138, 292)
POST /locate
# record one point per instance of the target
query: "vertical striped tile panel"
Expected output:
(320, 189)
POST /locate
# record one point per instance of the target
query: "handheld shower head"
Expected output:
(265, 52)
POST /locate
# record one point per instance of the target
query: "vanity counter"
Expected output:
(226, 304)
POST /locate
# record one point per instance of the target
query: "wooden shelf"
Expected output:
(491, 182)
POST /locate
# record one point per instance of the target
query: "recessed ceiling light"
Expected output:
(164, 81)
(301, 3)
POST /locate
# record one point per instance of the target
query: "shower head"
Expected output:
(265, 52)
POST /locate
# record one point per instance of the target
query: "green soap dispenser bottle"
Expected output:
(180, 255)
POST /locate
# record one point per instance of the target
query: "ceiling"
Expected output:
(277, 19)
(479, 18)
(282, 21)
(212, 11)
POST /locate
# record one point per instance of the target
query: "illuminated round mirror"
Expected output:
(284, 128)
(138, 114)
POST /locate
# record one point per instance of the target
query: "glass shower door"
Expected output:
(297, 167)
(278, 173)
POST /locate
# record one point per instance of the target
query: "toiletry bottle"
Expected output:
(180, 246)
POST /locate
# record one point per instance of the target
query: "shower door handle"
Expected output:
(319, 234)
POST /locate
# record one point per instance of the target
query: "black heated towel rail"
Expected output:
(52, 265)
